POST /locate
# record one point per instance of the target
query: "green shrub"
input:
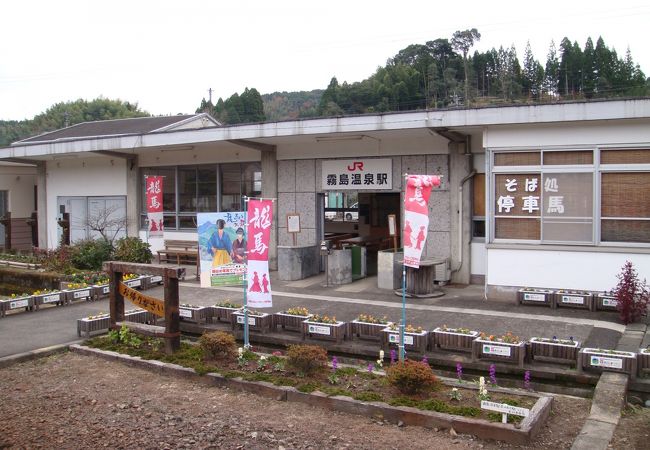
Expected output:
(89, 254)
(57, 260)
(306, 359)
(218, 345)
(411, 377)
(132, 249)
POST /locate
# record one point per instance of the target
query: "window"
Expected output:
(342, 206)
(555, 197)
(478, 206)
(90, 217)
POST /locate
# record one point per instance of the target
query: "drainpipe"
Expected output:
(466, 178)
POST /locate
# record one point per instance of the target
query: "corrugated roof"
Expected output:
(136, 125)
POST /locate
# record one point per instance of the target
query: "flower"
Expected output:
(527, 379)
(240, 351)
(227, 304)
(407, 329)
(367, 318)
(335, 363)
(297, 311)
(425, 360)
(393, 356)
(459, 371)
(455, 394)
(493, 374)
(508, 338)
(482, 389)
(371, 367)
(323, 319)
(380, 361)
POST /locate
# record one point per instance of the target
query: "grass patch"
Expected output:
(308, 388)
(369, 396)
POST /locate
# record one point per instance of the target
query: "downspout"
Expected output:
(466, 178)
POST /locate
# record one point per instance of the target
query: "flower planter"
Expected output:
(289, 322)
(414, 342)
(324, 331)
(101, 322)
(643, 360)
(51, 298)
(367, 330)
(499, 351)
(531, 296)
(151, 281)
(451, 339)
(13, 304)
(574, 299)
(194, 313)
(598, 360)
(222, 313)
(78, 294)
(256, 322)
(101, 291)
(554, 350)
(134, 283)
(605, 302)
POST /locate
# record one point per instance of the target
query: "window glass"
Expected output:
(568, 207)
(187, 189)
(230, 187)
(554, 158)
(624, 200)
(517, 159)
(207, 189)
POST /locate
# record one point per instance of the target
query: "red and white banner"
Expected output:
(260, 218)
(155, 205)
(416, 216)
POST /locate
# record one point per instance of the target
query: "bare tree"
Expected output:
(108, 221)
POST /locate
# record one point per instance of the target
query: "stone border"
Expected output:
(528, 429)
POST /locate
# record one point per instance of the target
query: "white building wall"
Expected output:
(19, 181)
(477, 258)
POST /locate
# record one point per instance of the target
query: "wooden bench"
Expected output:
(179, 252)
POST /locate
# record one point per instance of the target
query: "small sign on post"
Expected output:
(392, 229)
(293, 225)
(504, 409)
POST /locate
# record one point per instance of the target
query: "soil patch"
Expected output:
(633, 430)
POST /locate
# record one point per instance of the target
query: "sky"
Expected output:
(165, 55)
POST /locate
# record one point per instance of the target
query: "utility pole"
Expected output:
(210, 94)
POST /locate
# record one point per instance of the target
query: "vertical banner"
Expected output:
(222, 247)
(155, 205)
(416, 216)
(260, 217)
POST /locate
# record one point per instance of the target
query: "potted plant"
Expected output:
(573, 299)
(47, 297)
(598, 359)
(132, 280)
(101, 288)
(415, 338)
(458, 339)
(77, 291)
(257, 321)
(222, 311)
(324, 328)
(291, 319)
(366, 326)
(605, 301)
(193, 312)
(554, 350)
(92, 323)
(16, 302)
(535, 296)
(507, 348)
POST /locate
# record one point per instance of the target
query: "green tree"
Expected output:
(463, 41)
(552, 71)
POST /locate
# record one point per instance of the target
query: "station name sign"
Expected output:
(357, 174)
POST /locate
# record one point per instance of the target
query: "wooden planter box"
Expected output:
(605, 302)
(499, 351)
(366, 330)
(554, 351)
(324, 331)
(643, 360)
(197, 314)
(597, 360)
(102, 323)
(539, 297)
(134, 283)
(258, 323)
(574, 299)
(451, 340)
(414, 342)
(12, 304)
(52, 298)
(151, 281)
(101, 291)
(78, 294)
(289, 322)
(222, 313)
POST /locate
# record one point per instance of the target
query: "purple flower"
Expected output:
(393, 356)
(371, 367)
(459, 370)
(527, 379)
(425, 360)
(493, 374)
(335, 363)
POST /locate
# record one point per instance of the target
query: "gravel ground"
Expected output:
(72, 401)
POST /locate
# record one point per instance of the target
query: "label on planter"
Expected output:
(394, 339)
(106, 289)
(51, 298)
(319, 329)
(535, 297)
(602, 361)
(19, 304)
(610, 302)
(251, 320)
(134, 283)
(573, 299)
(81, 294)
(185, 312)
(500, 350)
(156, 279)
(504, 408)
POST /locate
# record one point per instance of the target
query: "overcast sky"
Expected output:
(164, 55)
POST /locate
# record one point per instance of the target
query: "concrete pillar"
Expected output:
(270, 190)
(41, 203)
(459, 167)
(132, 198)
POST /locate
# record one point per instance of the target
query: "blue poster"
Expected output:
(222, 247)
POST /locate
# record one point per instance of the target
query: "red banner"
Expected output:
(154, 187)
(416, 216)
(260, 218)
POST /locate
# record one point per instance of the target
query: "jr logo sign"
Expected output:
(356, 165)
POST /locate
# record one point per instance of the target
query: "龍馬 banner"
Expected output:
(154, 186)
(260, 218)
(416, 216)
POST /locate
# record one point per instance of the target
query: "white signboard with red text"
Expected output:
(416, 216)
(357, 174)
(155, 205)
(260, 218)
